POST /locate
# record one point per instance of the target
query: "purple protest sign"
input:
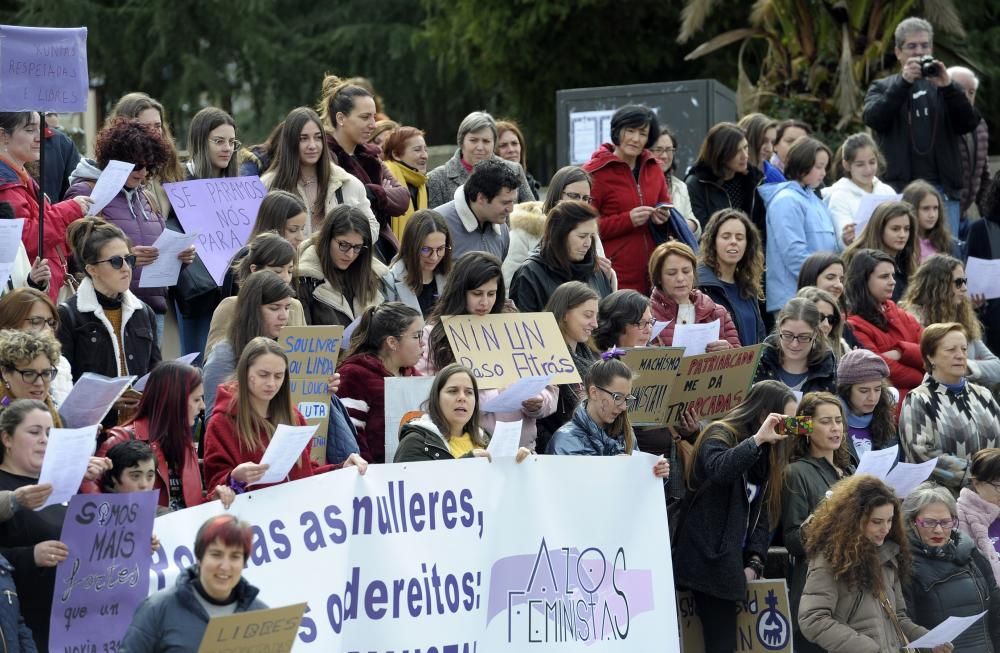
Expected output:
(43, 69)
(221, 211)
(106, 575)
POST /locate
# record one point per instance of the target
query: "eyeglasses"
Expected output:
(645, 324)
(961, 282)
(219, 142)
(618, 397)
(348, 247)
(31, 376)
(427, 251)
(118, 261)
(946, 524)
(39, 322)
(657, 151)
(829, 318)
(910, 47)
(802, 338)
(579, 198)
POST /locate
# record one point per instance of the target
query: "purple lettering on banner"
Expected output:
(106, 576)
(221, 211)
(43, 69)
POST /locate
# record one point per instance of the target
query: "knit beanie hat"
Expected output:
(861, 366)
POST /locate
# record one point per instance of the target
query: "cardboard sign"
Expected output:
(655, 371)
(221, 211)
(43, 69)
(312, 359)
(763, 621)
(106, 576)
(712, 384)
(271, 630)
(502, 348)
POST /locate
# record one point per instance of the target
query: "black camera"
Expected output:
(927, 66)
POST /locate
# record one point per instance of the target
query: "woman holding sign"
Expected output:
(20, 145)
(247, 411)
(175, 619)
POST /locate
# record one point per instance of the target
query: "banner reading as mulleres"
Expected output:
(453, 556)
(106, 575)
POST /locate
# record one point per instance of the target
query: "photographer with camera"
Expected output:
(918, 117)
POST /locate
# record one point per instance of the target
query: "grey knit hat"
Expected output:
(861, 366)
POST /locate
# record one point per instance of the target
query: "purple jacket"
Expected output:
(131, 212)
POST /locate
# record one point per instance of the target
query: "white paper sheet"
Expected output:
(67, 455)
(10, 241)
(165, 269)
(984, 277)
(91, 398)
(946, 631)
(867, 206)
(140, 385)
(878, 463)
(694, 338)
(284, 450)
(506, 439)
(905, 477)
(509, 400)
(658, 329)
(111, 181)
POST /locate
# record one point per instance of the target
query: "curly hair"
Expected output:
(931, 294)
(129, 141)
(750, 270)
(883, 425)
(837, 532)
(21, 346)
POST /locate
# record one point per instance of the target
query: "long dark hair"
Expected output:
(265, 250)
(164, 405)
(561, 220)
(560, 180)
(359, 279)
(434, 404)
(750, 269)
(618, 310)
(378, 323)
(859, 299)
(421, 224)
(277, 208)
(883, 425)
(203, 123)
(471, 270)
(600, 375)
(801, 445)
(287, 164)
(259, 289)
(814, 265)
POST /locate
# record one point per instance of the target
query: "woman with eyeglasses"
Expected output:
(663, 151)
(939, 292)
(417, 274)
(878, 324)
(731, 269)
(797, 353)
(831, 320)
(566, 253)
(979, 506)
(339, 276)
(31, 311)
(134, 210)
(626, 321)
(388, 342)
(28, 367)
(104, 328)
(947, 416)
(950, 577)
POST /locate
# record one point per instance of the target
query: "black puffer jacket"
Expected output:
(955, 581)
(536, 280)
(821, 377)
(708, 195)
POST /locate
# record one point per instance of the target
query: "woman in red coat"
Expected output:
(672, 274)
(878, 324)
(20, 145)
(628, 188)
(247, 412)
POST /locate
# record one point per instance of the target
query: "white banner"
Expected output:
(459, 556)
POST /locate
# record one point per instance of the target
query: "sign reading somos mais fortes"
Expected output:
(221, 211)
(312, 359)
(502, 348)
(43, 69)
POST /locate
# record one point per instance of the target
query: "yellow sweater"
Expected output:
(460, 446)
(407, 177)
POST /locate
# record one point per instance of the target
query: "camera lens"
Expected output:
(927, 66)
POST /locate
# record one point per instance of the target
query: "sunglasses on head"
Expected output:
(118, 261)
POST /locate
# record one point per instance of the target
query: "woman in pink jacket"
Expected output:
(979, 506)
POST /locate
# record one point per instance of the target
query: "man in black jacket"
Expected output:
(918, 116)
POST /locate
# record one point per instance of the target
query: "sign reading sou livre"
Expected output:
(43, 69)
(312, 359)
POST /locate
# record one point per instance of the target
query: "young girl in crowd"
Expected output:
(664, 150)
(857, 163)
(475, 287)
(735, 494)
(932, 233)
(797, 354)
(338, 275)
(939, 292)
(388, 342)
(404, 153)
(868, 403)
(825, 270)
(798, 222)
(171, 403)
(722, 177)
(302, 165)
(731, 269)
(671, 271)
(626, 321)
(831, 319)
(892, 229)
(417, 274)
(878, 324)
(31, 311)
(818, 461)
(761, 132)
(785, 136)
(566, 253)
(247, 412)
(979, 506)
(512, 147)
(283, 213)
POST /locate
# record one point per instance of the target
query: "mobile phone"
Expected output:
(800, 425)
